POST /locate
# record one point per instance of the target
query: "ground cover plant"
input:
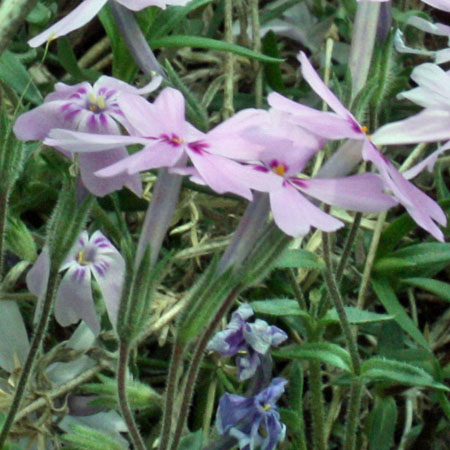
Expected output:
(223, 224)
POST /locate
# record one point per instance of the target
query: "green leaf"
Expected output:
(422, 260)
(14, 74)
(439, 288)
(325, 352)
(192, 441)
(300, 259)
(167, 20)
(279, 307)
(273, 71)
(382, 421)
(140, 395)
(380, 369)
(211, 44)
(356, 315)
(68, 60)
(86, 438)
(39, 15)
(399, 228)
(387, 297)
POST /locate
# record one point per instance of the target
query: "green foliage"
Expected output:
(381, 423)
(85, 438)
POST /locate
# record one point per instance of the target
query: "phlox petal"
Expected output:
(74, 299)
(80, 16)
(321, 89)
(109, 272)
(430, 125)
(221, 174)
(358, 192)
(295, 215)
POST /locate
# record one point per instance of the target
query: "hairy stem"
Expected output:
(354, 404)
(171, 394)
(4, 196)
(317, 407)
(35, 346)
(127, 414)
(348, 246)
(228, 90)
(197, 357)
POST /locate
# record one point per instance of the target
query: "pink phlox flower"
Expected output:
(89, 256)
(93, 109)
(167, 140)
(342, 124)
(87, 10)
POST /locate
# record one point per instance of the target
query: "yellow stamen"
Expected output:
(364, 129)
(81, 260)
(267, 407)
(279, 170)
(101, 102)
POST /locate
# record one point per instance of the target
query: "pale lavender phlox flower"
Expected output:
(342, 124)
(439, 4)
(93, 109)
(250, 341)
(89, 256)
(167, 138)
(87, 10)
(285, 151)
(254, 422)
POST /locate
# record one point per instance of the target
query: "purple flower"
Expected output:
(93, 109)
(245, 418)
(89, 256)
(342, 124)
(250, 341)
(168, 139)
(286, 150)
(87, 10)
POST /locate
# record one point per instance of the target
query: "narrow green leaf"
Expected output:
(211, 44)
(14, 74)
(167, 20)
(324, 352)
(387, 297)
(356, 315)
(380, 369)
(382, 421)
(399, 228)
(300, 259)
(439, 288)
(423, 259)
(273, 71)
(279, 307)
(86, 438)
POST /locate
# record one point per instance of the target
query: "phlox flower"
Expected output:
(255, 421)
(93, 109)
(250, 341)
(94, 256)
(285, 150)
(167, 139)
(87, 10)
(342, 124)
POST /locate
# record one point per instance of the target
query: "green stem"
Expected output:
(35, 346)
(317, 407)
(348, 246)
(256, 37)
(354, 404)
(124, 355)
(171, 391)
(197, 357)
(4, 195)
(370, 260)
(297, 290)
(338, 303)
(228, 91)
